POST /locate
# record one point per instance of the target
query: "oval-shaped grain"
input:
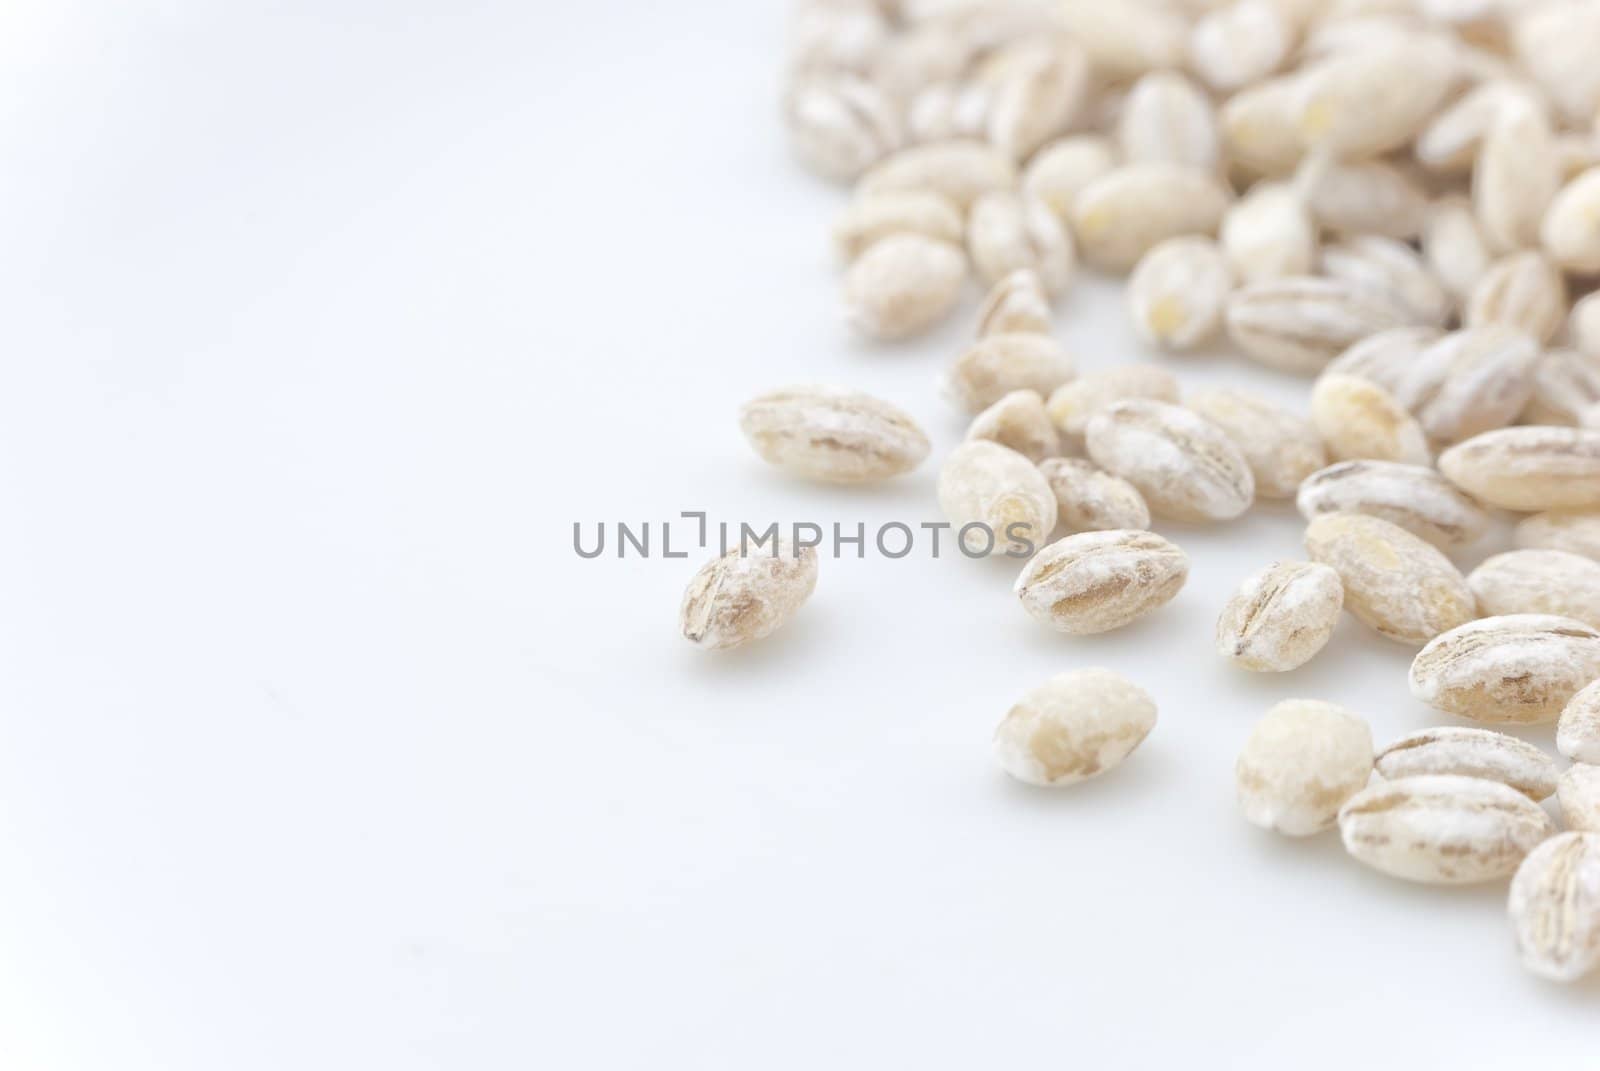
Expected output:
(1443, 830)
(996, 500)
(959, 171)
(1359, 420)
(903, 285)
(1018, 421)
(1300, 764)
(747, 594)
(1555, 907)
(1578, 732)
(1281, 447)
(1578, 792)
(1539, 582)
(996, 365)
(1393, 581)
(1280, 617)
(1089, 499)
(1469, 382)
(1178, 291)
(1414, 497)
(1577, 531)
(1530, 469)
(1468, 752)
(1299, 324)
(1098, 581)
(833, 435)
(1185, 467)
(1073, 727)
(1074, 404)
(1125, 213)
(1516, 669)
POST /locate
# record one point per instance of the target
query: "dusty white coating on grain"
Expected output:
(747, 594)
(1007, 233)
(1300, 763)
(1469, 752)
(1469, 381)
(1281, 447)
(1073, 727)
(1539, 582)
(1184, 465)
(1268, 234)
(1167, 119)
(1178, 291)
(1442, 829)
(1530, 469)
(1016, 304)
(1565, 383)
(1280, 617)
(1098, 581)
(1578, 792)
(1123, 214)
(833, 435)
(1555, 907)
(1578, 731)
(1393, 581)
(902, 285)
(1299, 324)
(1091, 499)
(1515, 669)
(877, 216)
(1577, 531)
(1414, 497)
(985, 483)
(1018, 421)
(1524, 291)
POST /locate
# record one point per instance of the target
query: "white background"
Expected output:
(320, 748)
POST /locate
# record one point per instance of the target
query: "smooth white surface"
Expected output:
(319, 748)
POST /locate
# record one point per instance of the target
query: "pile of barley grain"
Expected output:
(1400, 198)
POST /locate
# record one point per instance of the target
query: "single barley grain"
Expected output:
(1281, 617)
(1073, 727)
(1518, 669)
(1443, 830)
(1555, 907)
(1466, 752)
(1415, 497)
(1401, 586)
(1184, 465)
(1089, 499)
(747, 594)
(1098, 581)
